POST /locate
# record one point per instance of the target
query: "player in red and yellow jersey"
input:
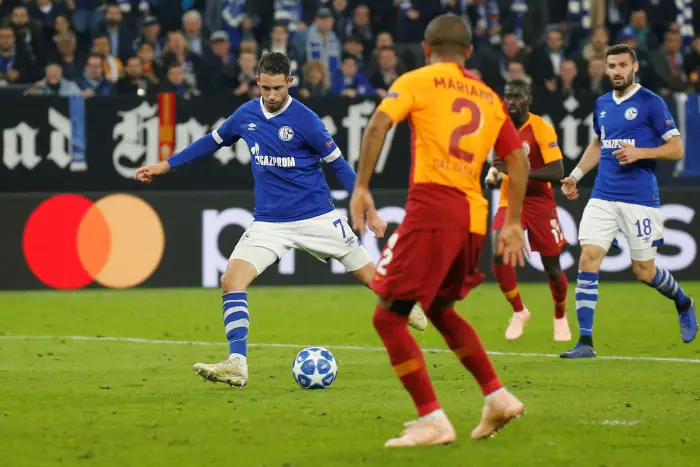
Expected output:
(432, 258)
(539, 214)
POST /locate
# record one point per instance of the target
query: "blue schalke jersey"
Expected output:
(641, 119)
(286, 149)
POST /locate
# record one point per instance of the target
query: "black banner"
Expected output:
(175, 239)
(123, 134)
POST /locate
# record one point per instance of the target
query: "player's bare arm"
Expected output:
(372, 142)
(511, 239)
(146, 174)
(552, 172)
(672, 150)
(588, 162)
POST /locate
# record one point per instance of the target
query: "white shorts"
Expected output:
(641, 226)
(326, 237)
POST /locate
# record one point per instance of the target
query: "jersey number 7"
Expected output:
(471, 127)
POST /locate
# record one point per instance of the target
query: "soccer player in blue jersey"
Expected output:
(634, 129)
(293, 203)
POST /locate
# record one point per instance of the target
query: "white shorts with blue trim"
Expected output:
(327, 236)
(640, 225)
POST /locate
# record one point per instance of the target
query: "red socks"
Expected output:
(505, 275)
(465, 343)
(559, 289)
(406, 358)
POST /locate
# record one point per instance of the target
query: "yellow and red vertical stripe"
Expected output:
(166, 125)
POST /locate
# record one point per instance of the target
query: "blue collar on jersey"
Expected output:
(269, 115)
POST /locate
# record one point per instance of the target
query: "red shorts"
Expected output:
(542, 224)
(419, 265)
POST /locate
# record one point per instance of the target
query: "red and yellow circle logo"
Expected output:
(70, 241)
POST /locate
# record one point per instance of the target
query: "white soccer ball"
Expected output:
(315, 368)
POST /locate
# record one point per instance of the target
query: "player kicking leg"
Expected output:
(263, 244)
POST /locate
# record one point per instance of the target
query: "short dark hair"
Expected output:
(520, 83)
(448, 34)
(275, 63)
(94, 55)
(620, 49)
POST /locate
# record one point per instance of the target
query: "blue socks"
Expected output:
(236, 321)
(586, 301)
(668, 287)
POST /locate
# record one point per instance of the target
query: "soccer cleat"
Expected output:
(517, 324)
(562, 333)
(497, 413)
(417, 319)
(688, 322)
(233, 371)
(424, 433)
(579, 351)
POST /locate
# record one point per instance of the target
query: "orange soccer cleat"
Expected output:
(498, 411)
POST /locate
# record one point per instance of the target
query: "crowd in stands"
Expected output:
(337, 47)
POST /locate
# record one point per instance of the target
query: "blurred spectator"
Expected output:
(279, 42)
(29, 36)
(134, 82)
(192, 27)
(414, 16)
(121, 42)
(15, 66)
(387, 71)
(44, 12)
(83, 18)
(597, 46)
(62, 25)
(112, 65)
(175, 82)
(290, 13)
(322, 43)
(342, 16)
(639, 27)
(597, 82)
(516, 70)
(692, 64)
(149, 62)
(93, 82)
(67, 56)
(546, 60)
(566, 83)
(349, 81)
(316, 80)
(361, 27)
(54, 84)
(250, 46)
(527, 19)
(668, 65)
(222, 64)
(151, 34)
(245, 83)
(645, 76)
(354, 46)
(177, 50)
(510, 51)
(235, 20)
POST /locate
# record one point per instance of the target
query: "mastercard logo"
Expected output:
(70, 241)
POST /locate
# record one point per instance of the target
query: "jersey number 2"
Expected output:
(388, 255)
(464, 130)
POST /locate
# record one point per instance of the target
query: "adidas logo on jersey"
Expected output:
(617, 143)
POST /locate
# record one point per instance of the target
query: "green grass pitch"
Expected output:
(124, 403)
